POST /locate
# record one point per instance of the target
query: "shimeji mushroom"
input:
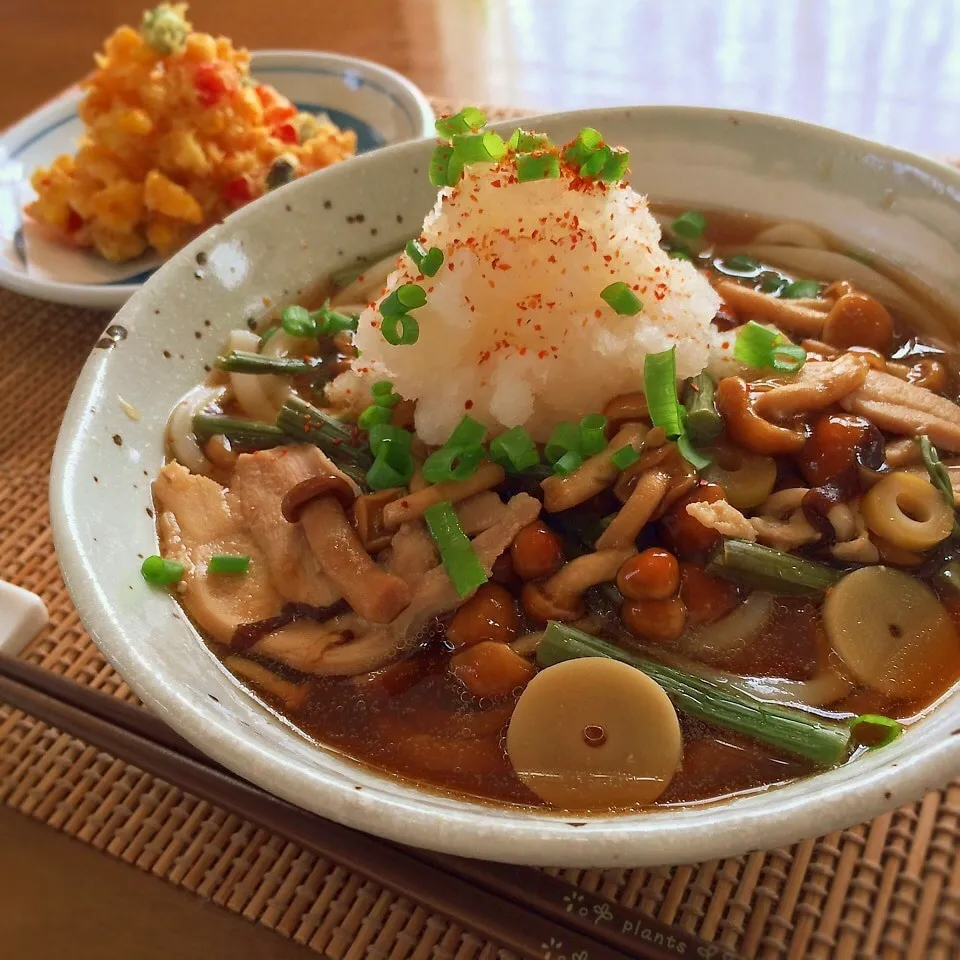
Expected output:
(319, 505)
(891, 631)
(561, 597)
(594, 732)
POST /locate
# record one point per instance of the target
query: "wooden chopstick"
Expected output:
(519, 907)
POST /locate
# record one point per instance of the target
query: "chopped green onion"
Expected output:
(514, 448)
(660, 387)
(407, 297)
(523, 141)
(758, 346)
(445, 166)
(457, 553)
(570, 461)
(621, 299)
(411, 296)
(486, 147)
(596, 163)
(676, 252)
(382, 393)
(702, 422)
(415, 251)
(543, 166)
(788, 358)
(593, 437)
(616, 165)
(754, 344)
(452, 463)
(428, 262)
(228, 563)
(386, 433)
(267, 334)
(697, 460)
(460, 456)
(467, 433)
(469, 119)
(586, 143)
(739, 264)
(771, 282)
(160, 572)
(801, 290)
(373, 414)
(396, 326)
(383, 475)
(333, 322)
(880, 731)
(400, 331)
(393, 462)
(432, 262)
(298, 321)
(564, 438)
(625, 457)
(939, 474)
(690, 225)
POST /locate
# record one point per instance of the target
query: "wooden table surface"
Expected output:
(885, 69)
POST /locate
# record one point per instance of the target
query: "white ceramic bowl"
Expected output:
(901, 207)
(380, 105)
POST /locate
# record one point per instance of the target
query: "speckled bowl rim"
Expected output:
(924, 760)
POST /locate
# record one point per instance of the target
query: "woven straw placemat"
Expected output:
(886, 889)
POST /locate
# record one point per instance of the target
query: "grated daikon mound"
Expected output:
(514, 331)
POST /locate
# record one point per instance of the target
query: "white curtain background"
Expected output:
(884, 69)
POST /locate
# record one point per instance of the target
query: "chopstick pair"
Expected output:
(538, 916)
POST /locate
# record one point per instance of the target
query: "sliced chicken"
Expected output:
(903, 453)
(197, 519)
(781, 522)
(858, 548)
(303, 643)
(412, 553)
(259, 482)
(784, 535)
(904, 408)
(374, 645)
(480, 512)
(817, 386)
(721, 516)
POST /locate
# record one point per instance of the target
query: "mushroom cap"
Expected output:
(323, 485)
(639, 750)
(542, 608)
(891, 631)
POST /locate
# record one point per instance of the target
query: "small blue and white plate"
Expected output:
(379, 104)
